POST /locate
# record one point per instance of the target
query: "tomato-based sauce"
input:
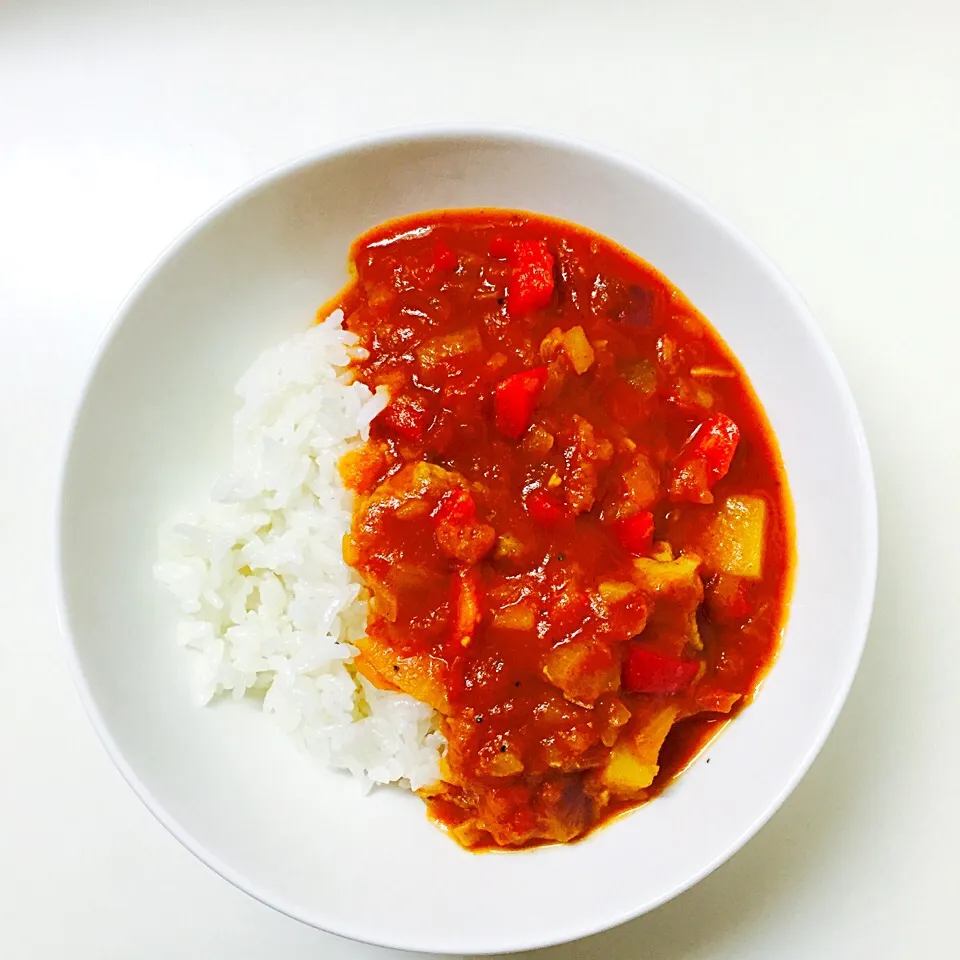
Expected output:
(572, 517)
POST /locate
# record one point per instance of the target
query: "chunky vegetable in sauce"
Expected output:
(571, 517)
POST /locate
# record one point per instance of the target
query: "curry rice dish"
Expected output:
(507, 526)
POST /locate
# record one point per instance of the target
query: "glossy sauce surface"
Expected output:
(502, 513)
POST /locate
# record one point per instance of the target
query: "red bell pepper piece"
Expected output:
(714, 442)
(645, 671)
(443, 257)
(530, 286)
(407, 419)
(704, 459)
(515, 399)
(544, 509)
(636, 532)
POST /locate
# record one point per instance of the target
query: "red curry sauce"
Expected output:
(572, 517)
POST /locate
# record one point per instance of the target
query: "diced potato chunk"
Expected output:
(366, 669)
(351, 555)
(650, 736)
(384, 604)
(469, 833)
(421, 677)
(508, 547)
(614, 590)
(537, 441)
(633, 761)
(614, 715)
(733, 540)
(582, 670)
(551, 343)
(501, 764)
(440, 349)
(518, 616)
(578, 350)
(659, 576)
(413, 510)
(642, 482)
(642, 375)
(359, 468)
(575, 345)
(624, 774)
(661, 551)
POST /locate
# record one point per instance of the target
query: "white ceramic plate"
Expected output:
(153, 431)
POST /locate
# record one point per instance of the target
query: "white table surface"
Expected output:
(827, 129)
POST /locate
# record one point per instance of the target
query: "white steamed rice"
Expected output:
(267, 602)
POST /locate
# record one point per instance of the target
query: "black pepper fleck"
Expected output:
(396, 669)
(503, 749)
(561, 556)
(516, 683)
(479, 719)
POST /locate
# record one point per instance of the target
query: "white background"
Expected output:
(828, 129)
